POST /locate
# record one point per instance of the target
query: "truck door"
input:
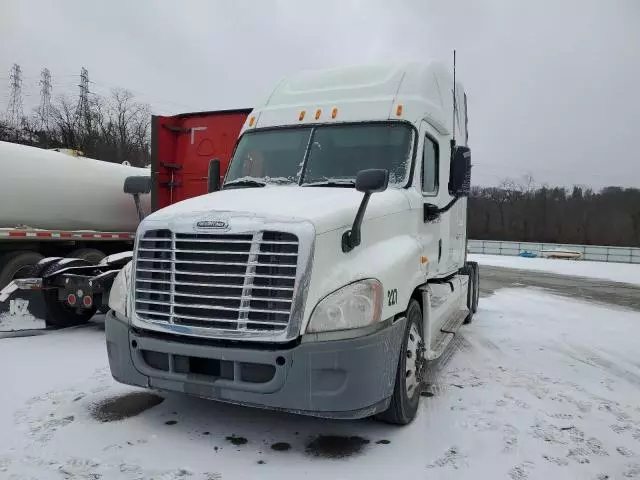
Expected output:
(453, 226)
(434, 177)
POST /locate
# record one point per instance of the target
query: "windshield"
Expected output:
(331, 154)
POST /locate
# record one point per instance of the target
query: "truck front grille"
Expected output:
(227, 282)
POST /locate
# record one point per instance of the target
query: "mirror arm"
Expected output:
(448, 206)
(436, 212)
(134, 186)
(136, 199)
(351, 238)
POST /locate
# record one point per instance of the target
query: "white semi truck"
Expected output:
(328, 267)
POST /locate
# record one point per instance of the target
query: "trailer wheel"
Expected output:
(60, 314)
(91, 255)
(20, 264)
(406, 391)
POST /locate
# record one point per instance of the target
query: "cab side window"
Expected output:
(430, 167)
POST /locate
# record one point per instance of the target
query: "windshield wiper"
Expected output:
(332, 183)
(245, 183)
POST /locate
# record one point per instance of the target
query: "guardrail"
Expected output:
(587, 252)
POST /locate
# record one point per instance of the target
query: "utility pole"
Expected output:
(14, 109)
(45, 99)
(82, 111)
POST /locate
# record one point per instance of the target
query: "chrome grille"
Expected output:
(229, 282)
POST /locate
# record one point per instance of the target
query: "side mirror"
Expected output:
(137, 185)
(213, 184)
(368, 181)
(372, 180)
(460, 174)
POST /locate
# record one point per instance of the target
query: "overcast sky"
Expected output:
(553, 85)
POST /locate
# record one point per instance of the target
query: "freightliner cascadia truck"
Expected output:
(327, 268)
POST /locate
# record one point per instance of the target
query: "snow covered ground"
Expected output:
(537, 387)
(10, 322)
(616, 272)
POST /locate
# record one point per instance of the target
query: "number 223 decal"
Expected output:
(392, 296)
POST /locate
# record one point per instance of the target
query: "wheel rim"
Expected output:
(411, 363)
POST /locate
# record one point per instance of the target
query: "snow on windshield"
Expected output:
(334, 153)
(267, 180)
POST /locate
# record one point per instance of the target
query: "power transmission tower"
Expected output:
(82, 112)
(14, 109)
(45, 99)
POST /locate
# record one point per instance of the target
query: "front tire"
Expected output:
(406, 392)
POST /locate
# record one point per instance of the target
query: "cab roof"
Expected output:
(406, 91)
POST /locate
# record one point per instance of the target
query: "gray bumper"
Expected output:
(351, 378)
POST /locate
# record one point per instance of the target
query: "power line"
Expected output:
(31, 87)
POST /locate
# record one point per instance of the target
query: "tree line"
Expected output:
(115, 128)
(527, 213)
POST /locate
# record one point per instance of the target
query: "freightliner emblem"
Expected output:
(212, 224)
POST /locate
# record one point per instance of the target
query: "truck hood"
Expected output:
(328, 208)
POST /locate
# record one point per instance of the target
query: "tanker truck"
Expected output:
(60, 205)
(62, 210)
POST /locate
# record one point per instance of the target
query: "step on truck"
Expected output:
(327, 268)
(67, 225)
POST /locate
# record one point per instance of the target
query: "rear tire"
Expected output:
(405, 399)
(59, 314)
(21, 264)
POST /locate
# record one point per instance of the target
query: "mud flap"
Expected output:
(24, 302)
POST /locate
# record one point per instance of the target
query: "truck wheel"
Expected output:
(91, 255)
(406, 392)
(17, 265)
(59, 314)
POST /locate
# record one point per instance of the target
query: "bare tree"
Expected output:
(65, 128)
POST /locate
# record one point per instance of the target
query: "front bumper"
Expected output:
(351, 378)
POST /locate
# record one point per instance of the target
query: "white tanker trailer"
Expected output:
(58, 205)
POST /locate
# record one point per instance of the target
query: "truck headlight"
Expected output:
(356, 305)
(119, 295)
